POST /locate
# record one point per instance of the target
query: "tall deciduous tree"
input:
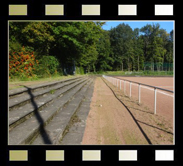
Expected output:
(86, 44)
(104, 60)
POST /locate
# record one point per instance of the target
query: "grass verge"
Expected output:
(133, 73)
(17, 83)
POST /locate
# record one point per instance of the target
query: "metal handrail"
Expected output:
(145, 84)
(139, 91)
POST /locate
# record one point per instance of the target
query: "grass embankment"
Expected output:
(17, 83)
(133, 73)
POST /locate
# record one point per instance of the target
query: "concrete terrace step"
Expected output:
(23, 90)
(26, 97)
(55, 130)
(21, 113)
(27, 131)
(74, 135)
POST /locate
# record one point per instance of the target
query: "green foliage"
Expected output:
(14, 46)
(104, 60)
(52, 91)
(157, 73)
(80, 70)
(47, 66)
(77, 41)
(39, 35)
(122, 46)
(88, 46)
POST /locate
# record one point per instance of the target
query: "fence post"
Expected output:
(154, 100)
(117, 83)
(139, 93)
(120, 84)
(130, 88)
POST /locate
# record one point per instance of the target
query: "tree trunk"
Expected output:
(122, 65)
(138, 63)
(94, 68)
(47, 49)
(88, 69)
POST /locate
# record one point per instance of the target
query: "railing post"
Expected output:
(130, 88)
(114, 81)
(139, 93)
(124, 86)
(155, 100)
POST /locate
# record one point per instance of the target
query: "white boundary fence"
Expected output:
(115, 81)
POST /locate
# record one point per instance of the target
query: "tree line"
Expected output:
(85, 45)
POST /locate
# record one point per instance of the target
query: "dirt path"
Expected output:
(110, 122)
